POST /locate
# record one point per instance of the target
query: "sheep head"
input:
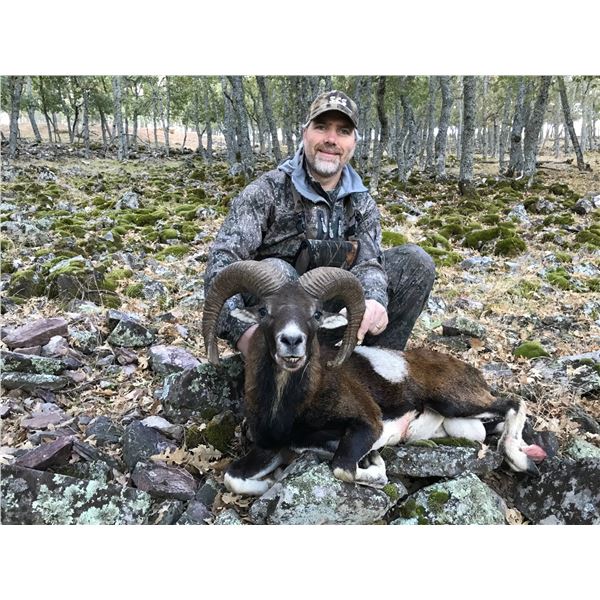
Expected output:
(289, 313)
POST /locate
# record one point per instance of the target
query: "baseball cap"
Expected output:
(334, 100)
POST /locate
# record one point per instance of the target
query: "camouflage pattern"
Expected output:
(264, 221)
(334, 100)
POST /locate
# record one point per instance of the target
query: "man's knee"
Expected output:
(410, 258)
(282, 266)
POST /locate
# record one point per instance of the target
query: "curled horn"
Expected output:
(326, 283)
(246, 276)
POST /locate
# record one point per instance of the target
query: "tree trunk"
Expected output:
(241, 126)
(533, 129)
(165, 114)
(504, 132)
(557, 125)
(569, 125)
(56, 128)
(86, 122)
(383, 134)
(209, 141)
(429, 145)
(484, 128)
(515, 162)
(233, 152)
(155, 115)
(441, 139)
(365, 101)
(465, 180)
(118, 118)
(266, 102)
(31, 109)
(45, 109)
(15, 85)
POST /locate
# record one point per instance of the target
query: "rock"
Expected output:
(477, 263)
(104, 430)
(497, 370)
(30, 363)
(585, 421)
(173, 431)
(40, 498)
(38, 332)
(196, 513)
(568, 492)
(436, 305)
(228, 517)
(41, 420)
(580, 448)
(519, 214)
(440, 461)
(165, 360)
(309, 494)
(583, 206)
(544, 206)
(56, 346)
(86, 341)
(208, 491)
(31, 381)
(204, 391)
(129, 200)
(141, 442)
(164, 481)
(463, 326)
(469, 304)
(57, 452)
(462, 501)
(166, 512)
(130, 334)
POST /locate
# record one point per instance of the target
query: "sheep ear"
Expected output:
(244, 315)
(333, 320)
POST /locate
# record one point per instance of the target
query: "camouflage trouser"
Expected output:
(411, 272)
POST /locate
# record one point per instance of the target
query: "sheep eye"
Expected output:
(318, 314)
(262, 312)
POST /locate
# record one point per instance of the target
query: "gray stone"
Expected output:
(164, 481)
(208, 491)
(46, 455)
(165, 360)
(309, 494)
(56, 346)
(166, 512)
(30, 363)
(463, 326)
(42, 420)
(31, 381)
(41, 498)
(583, 206)
(173, 431)
(568, 492)
(104, 430)
(196, 513)
(204, 391)
(129, 200)
(519, 214)
(440, 461)
(477, 263)
(580, 448)
(462, 501)
(85, 341)
(228, 517)
(141, 442)
(585, 421)
(497, 370)
(37, 332)
(129, 334)
(469, 304)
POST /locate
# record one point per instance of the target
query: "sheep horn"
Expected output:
(246, 276)
(326, 283)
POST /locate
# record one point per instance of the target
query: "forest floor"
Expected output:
(533, 275)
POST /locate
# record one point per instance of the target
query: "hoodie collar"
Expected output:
(350, 182)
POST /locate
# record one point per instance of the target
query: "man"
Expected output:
(314, 207)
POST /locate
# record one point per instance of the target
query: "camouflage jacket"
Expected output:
(265, 220)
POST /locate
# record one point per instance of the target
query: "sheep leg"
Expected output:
(246, 475)
(354, 447)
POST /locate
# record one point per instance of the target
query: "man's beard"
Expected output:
(326, 168)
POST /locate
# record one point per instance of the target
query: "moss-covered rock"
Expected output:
(477, 238)
(175, 251)
(26, 284)
(220, 430)
(530, 349)
(589, 237)
(393, 238)
(510, 246)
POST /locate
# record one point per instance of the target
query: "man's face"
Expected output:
(329, 143)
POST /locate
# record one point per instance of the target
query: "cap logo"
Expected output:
(338, 100)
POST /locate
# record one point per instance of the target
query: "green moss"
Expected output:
(565, 219)
(510, 246)
(593, 284)
(478, 237)
(7, 266)
(491, 219)
(198, 174)
(392, 238)
(411, 510)
(589, 237)
(559, 189)
(525, 288)
(5, 244)
(196, 194)
(530, 350)
(452, 230)
(563, 257)
(177, 251)
(391, 492)
(456, 442)
(134, 290)
(26, 284)
(437, 499)
(145, 216)
(559, 278)
(437, 240)
(168, 234)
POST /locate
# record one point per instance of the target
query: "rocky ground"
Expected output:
(111, 414)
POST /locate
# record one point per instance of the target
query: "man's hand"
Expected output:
(374, 321)
(244, 341)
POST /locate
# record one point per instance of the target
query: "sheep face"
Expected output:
(289, 320)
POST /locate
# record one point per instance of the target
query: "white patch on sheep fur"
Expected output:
(426, 426)
(390, 364)
(471, 429)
